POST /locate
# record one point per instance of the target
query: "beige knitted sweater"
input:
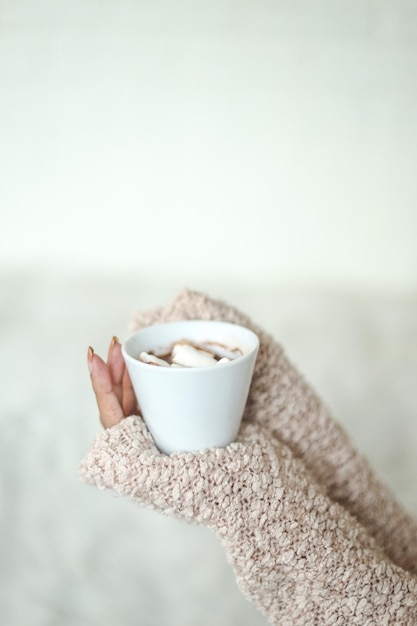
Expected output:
(313, 537)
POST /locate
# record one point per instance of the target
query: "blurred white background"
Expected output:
(250, 140)
(263, 151)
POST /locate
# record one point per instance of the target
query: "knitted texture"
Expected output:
(285, 499)
(300, 557)
(282, 401)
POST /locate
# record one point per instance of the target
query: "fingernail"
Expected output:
(90, 354)
(112, 344)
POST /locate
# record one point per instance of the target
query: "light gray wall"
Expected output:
(251, 140)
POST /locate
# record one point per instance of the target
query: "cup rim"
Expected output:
(181, 371)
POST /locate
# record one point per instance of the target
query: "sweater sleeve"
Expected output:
(283, 402)
(297, 555)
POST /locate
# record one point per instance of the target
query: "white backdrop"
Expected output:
(254, 140)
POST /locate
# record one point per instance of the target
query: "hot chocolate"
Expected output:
(186, 353)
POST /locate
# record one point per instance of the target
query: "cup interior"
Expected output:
(159, 338)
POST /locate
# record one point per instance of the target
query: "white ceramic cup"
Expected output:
(189, 409)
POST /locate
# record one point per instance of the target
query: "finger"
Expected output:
(116, 367)
(130, 405)
(122, 385)
(111, 412)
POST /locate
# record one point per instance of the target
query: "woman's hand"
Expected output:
(112, 386)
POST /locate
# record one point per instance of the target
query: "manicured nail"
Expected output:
(90, 354)
(112, 344)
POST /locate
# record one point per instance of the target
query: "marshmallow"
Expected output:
(152, 359)
(199, 348)
(184, 354)
(222, 351)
